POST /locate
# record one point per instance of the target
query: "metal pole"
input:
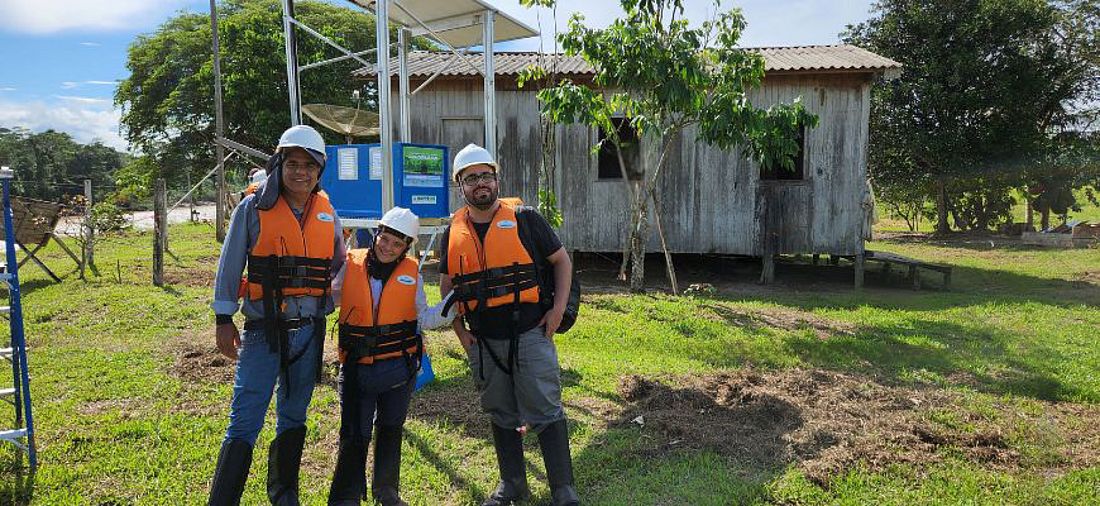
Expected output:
(219, 129)
(490, 86)
(291, 63)
(403, 36)
(385, 119)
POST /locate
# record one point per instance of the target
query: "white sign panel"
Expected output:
(348, 162)
(376, 163)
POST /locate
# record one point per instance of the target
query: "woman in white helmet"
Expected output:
(383, 311)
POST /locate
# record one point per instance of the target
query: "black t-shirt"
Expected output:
(540, 241)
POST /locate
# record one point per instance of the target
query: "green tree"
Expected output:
(168, 99)
(50, 165)
(661, 75)
(985, 84)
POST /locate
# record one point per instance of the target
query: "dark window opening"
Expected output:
(609, 160)
(776, 172)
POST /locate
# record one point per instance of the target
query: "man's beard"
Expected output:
(484, 201)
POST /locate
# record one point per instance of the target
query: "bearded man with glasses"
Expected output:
(495, 252)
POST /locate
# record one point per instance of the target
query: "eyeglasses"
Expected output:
(292, 166)
(484, 177)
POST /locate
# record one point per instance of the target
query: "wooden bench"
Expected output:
(888, 260)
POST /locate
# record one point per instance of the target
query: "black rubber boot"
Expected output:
(349, 481)
(231, 472)
(387, 465)
(284, 458)
(513, 473)
(554, 440)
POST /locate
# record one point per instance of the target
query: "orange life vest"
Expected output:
(291, 257)
(390, 332)
(498, 272)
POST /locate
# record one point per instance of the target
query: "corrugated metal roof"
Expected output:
(836, 58)
(824, 58)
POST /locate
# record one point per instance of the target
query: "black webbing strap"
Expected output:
(491, 283)
(290, 271)
(372, 341)
(518, 275)
(275, 273)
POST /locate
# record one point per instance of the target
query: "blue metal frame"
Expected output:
(21, 375)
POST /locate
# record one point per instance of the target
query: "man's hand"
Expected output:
(552, 320)
(465, 337)
(228, 339)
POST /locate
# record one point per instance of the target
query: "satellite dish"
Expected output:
(347, 121)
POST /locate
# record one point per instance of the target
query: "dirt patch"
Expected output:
(202, 363)
(124, 406)
(781, 318)
(198, 274)
(1087, 278)
(826, 422)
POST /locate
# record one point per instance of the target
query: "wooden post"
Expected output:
(87, 257)
(858, 262)
(160, 231)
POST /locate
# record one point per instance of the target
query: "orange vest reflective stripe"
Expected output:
(303, 251)
(393, 327)
(503, 255)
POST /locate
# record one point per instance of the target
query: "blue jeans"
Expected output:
(258, 375)
(384, 390)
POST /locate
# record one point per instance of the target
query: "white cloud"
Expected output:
(7, 88)
(83, 100)
(86, 122)
(68, 85)
(90, 44)
(112, 83)
(49, 16)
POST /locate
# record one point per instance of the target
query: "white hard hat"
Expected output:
(403, 221)
(258, 177)
(472, 154)
(303, 136)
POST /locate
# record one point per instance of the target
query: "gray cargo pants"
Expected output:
(532, 394)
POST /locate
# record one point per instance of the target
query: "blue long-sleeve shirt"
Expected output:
(244, 229)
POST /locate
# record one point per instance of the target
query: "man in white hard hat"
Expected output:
(495, 252)
(288, 236)
(380, 350)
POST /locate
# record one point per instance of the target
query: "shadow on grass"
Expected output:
(738, 277)
(16, 481)
(432, 457)
(988, 360)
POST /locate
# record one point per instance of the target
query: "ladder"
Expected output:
(19, 395)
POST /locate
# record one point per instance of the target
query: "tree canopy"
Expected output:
(986, 89)
(50, 165)
(168, 99)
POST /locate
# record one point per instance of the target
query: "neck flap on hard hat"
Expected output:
(268, 194)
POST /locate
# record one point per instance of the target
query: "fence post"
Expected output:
(160, 231)
(88, 259)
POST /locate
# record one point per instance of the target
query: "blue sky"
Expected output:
(62, 58)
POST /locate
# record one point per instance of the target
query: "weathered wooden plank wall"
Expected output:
(709, 195)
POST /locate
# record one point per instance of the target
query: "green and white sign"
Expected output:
(423, 167)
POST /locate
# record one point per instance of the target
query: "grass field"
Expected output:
(802, 393)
